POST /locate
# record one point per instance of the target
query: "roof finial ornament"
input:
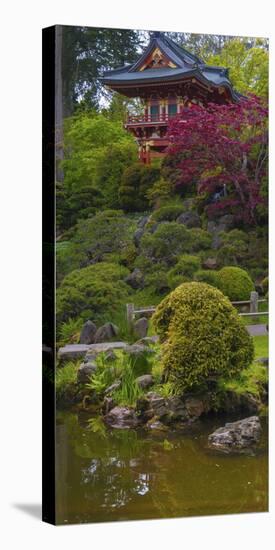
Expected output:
(156, 34)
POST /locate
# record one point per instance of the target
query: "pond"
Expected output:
(112, 475)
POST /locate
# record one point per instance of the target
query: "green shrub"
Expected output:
(95, 292)
(167, 213)
(235, 283)
(204, 336)
(69, 332)
(200, 239)
(135, 182)
(157, 281)
(207, 276)
(184, 270)
(160, 192)
(234, 247)
(107, 232)
(66, 378)
(169, 241)
(264, 284)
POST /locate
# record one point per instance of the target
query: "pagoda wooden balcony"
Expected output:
(148, 120)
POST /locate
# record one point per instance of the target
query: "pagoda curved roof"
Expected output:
(185, 64)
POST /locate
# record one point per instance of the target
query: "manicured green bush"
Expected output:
(94, 239)
(234, 247)
(169, 241)
(157, 281)
(207, 276)
(200, 239)
(135, 182)
(184, 270)
(203, 336)
(235, 283)
(167, 213)
(95, 292)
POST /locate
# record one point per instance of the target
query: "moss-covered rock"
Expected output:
(202, 334)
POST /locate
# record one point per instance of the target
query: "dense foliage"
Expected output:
(136, 181)
(235, 283)
(202, 334)
(95, 292)
(223, 148)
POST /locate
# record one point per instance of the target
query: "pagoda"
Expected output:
(168, 79)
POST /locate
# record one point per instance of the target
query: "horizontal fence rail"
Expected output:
(253, 302)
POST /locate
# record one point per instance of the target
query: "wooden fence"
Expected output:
(253, 303)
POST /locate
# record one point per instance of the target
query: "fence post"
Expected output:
(130, 315)
(254, 302)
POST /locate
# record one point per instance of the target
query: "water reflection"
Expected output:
(124, 474)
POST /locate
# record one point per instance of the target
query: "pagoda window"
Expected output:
(172, 109)
(154, 112)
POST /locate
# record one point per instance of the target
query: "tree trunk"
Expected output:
(59, 152)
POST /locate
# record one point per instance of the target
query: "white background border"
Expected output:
(20, 288)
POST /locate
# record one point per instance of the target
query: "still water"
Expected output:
(111, 475)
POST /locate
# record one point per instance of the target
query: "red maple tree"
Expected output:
(223, 147)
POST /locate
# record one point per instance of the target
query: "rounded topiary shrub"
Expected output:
(95, 292)
(202, 335)
(235, 283)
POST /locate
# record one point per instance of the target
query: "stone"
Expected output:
(190, 219)
(156, 425)
(195, 407)
(263, 361)
(177, 409)
(143, 221)
(135, 279)
(145, 381)
(105, 333)
(108, 405)
(87, 352)
(71, 352)
(85, 371)
(137, 349)
(228, 220)
(138, 236)
(236, 435)
(121, 417)
(141, 327)
(157, 404)
(87, 333)
(147, 341)
(113, 387)
(210, 263)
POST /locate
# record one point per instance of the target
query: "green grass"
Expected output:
(252, 379)
(261, 346)
(65, 377)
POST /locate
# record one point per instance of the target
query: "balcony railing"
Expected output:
(142, 119)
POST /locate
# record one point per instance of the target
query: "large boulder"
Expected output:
(190, 219)
(106, 333)
(121, 417)
(85, 371)
(141, 327)
(236, 435)
(87, 334)
(135, 279)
